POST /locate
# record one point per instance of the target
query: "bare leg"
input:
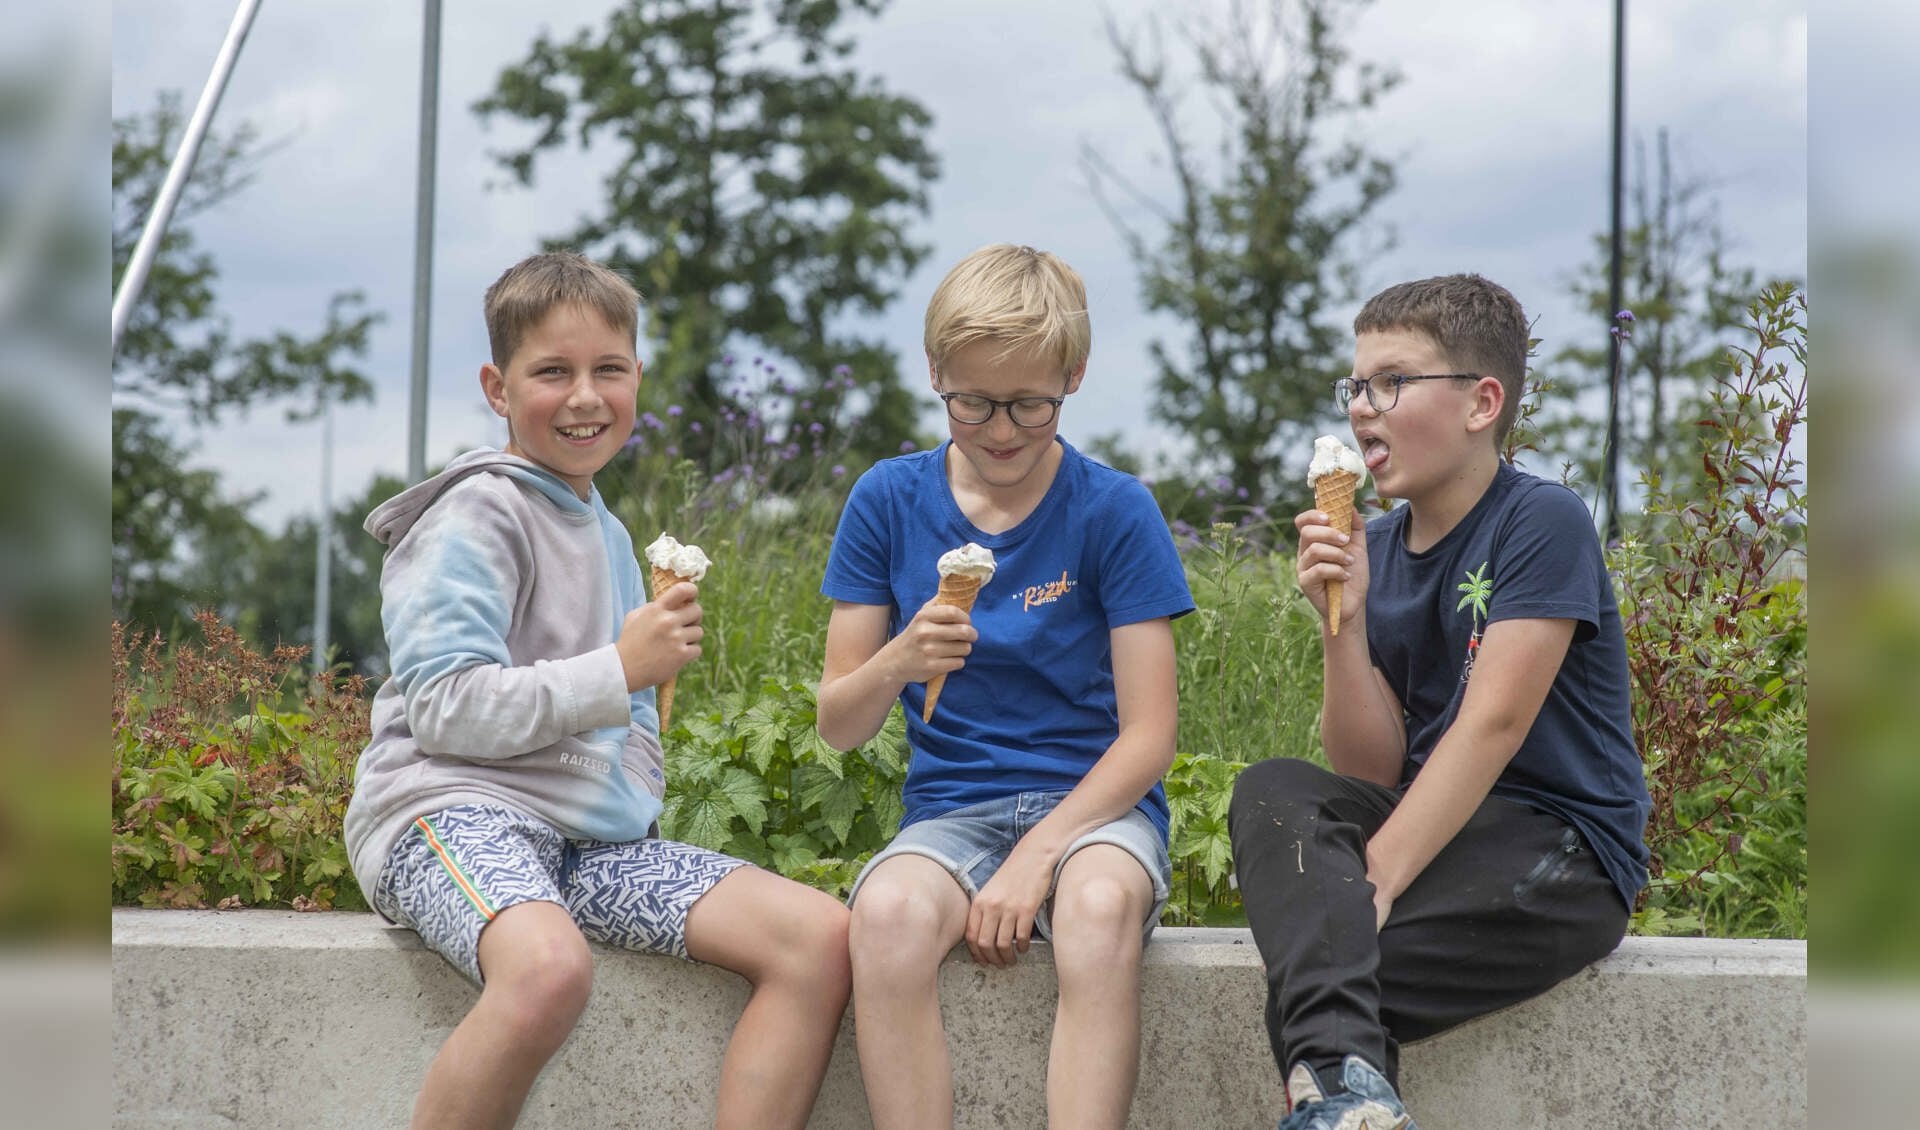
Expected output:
(1099, 909)
(790, 942)
(538, 973)
(908, 915)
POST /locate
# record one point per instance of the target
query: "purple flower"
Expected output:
(1199, 492)
(673, 451)
(651, 421)
(1223, 484)
(806, 406)
(674, 410)
(816, 427)
(838, 470)
(907, 445)
(694, 427)
(842, 370)
(1624, 316)
(1240, 493)
(727, 359)
(632, 441)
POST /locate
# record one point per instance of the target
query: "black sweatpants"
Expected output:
(1515, 904)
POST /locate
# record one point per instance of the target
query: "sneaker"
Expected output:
(1368, 1103)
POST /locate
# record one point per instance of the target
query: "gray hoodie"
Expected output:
(502, 594)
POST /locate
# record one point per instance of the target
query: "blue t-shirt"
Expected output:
(1526, 550)
(1034, 707)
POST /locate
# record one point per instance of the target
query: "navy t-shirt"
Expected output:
(1034, 707)
(1526, 550)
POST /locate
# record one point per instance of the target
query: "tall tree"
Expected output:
(1259, 245)
(1688, 302)
(759, 187)
(180, 357)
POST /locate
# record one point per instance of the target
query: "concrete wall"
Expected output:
(282, 1020)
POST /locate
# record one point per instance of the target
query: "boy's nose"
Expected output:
(583, 394)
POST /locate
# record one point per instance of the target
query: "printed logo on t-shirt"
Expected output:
(1033, 596)
(1477, 587)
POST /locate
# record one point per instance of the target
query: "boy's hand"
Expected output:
(660, 637)
(1000, 921)
(1327, 554)
(936, 641)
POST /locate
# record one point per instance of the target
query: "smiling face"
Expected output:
(1438, 439)
(567, 394)
(1000, 456)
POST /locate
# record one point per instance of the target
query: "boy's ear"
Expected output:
(493, 385)
(933, 373)
(1489, 397)
(1074, 377)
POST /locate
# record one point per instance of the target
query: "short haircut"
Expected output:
(1028, 301)
(1476, 322)
(530, 289)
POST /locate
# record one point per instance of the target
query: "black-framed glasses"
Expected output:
(1027, 412)
(1383, 391)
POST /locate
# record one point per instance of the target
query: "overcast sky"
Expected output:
(1500, 132)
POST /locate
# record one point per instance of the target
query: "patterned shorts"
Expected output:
(453, 871)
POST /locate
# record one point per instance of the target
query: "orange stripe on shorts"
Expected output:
(453, 869)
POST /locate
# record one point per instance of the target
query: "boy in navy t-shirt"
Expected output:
(1480, 838)
(1033, 794)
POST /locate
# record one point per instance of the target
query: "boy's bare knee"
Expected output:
(1103, 915)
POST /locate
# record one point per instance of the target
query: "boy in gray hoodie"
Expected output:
(504, 807)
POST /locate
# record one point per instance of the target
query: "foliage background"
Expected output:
(228, 790)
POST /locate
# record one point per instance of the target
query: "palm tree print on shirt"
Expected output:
(1478, 587)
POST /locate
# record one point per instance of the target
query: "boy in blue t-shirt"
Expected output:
(1480, 838)
(1033, 795)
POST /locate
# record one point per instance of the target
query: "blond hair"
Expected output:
(1476, 322)
(1026, 300)
(530, 289)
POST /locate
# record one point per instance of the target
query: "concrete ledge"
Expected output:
(284, 1020)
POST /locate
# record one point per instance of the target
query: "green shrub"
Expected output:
(1715, 613)
(750, 776)
(222, 796)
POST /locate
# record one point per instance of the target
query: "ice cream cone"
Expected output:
(664, 579)
(960, 591)
(1333, 495)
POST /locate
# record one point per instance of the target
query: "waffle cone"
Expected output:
(664, 579)
(1333, 495)
(960, 592)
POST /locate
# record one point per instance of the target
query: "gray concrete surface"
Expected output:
(283, 1020)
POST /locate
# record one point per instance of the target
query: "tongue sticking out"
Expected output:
(1375, 454)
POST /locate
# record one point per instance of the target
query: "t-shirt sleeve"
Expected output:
(1141, 576)
(858, 563)
(1548, 564)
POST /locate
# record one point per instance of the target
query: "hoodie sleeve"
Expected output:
(449, 591)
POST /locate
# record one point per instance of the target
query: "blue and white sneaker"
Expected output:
(1368, 1103)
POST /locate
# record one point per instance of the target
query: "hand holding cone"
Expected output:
(1335, 475)
(670, 563)
(962, 572)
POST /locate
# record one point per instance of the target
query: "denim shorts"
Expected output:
(971, 843)
(453, 872)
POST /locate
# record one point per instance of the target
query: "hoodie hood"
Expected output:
(391, 520)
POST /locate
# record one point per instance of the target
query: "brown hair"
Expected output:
(533, 287)
(1476, 322)
(1025, 299)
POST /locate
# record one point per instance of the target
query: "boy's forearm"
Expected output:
(492, 711)
(1518, 662)
(1451, 786)
(853, 707)
(1360, 726)
(1130, 767)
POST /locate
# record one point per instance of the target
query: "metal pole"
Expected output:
(135, 279)
(323, 552)
(1612, 453)
(423, 241)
